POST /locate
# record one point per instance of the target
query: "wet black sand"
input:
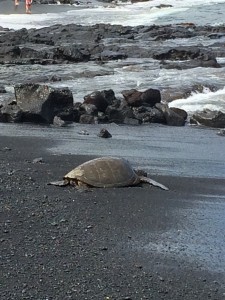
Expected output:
(127, 243)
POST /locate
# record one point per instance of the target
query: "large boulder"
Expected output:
(149, 115)
(151, 97)
(97, 99)
(209, 118)
(115, 115)
(41, 103)
(180, 112)
(10, 112)
(118, 111)
(173, 117)
(136, 98)
(132, 97)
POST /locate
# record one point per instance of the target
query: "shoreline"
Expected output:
(186, 151)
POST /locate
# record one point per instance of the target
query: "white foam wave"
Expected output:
(201, 101)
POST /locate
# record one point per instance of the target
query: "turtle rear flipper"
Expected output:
(59, 183)
(153, 182)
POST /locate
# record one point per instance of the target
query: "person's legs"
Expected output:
(16, 3)
(28, 6)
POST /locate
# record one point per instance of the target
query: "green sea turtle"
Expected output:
(106, 172)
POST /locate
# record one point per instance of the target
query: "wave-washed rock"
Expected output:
(210, 118)
(37, 103)
(43, 104)
(73, 43)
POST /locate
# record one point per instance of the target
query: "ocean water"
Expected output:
(140, 74)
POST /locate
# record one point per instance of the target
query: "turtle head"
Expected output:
(140, 172)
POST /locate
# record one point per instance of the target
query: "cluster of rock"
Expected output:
(37, 103)
(209, 118)
(44, 104)
(101, 43)
(73, 43)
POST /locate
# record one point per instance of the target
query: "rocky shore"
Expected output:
(103, 43)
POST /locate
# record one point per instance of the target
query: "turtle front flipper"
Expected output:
(64, 182)
(153, 182)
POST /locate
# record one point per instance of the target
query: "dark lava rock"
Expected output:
(104, 133)
(172, 118)
(132, 97)
(209, 118)
(96, 98)
(151, 97)
(180, 112)
(111, 55)
(184, 53)
(10, 113)
(109, 96)
(72, 43)
(89, 109)
(131, 121)
(136, 98)
(69, 115)
(149, 115)
(115, 115)
(87, 119)
(193, 57)
(41, 103)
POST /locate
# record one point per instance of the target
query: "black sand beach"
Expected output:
(112, 244)
(124, 243)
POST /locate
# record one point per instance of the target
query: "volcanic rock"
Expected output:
(209, 118)
(172, 118)
(104, 133)
(136, 98)
(96, 98)
(41, 103)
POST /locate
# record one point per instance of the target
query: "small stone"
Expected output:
(138, 266)
(83, 132)
(104, 133)
(6, 149)
(89, 227)
(37, 160)
(104, 248)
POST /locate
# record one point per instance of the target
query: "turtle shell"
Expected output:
(105, 172)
